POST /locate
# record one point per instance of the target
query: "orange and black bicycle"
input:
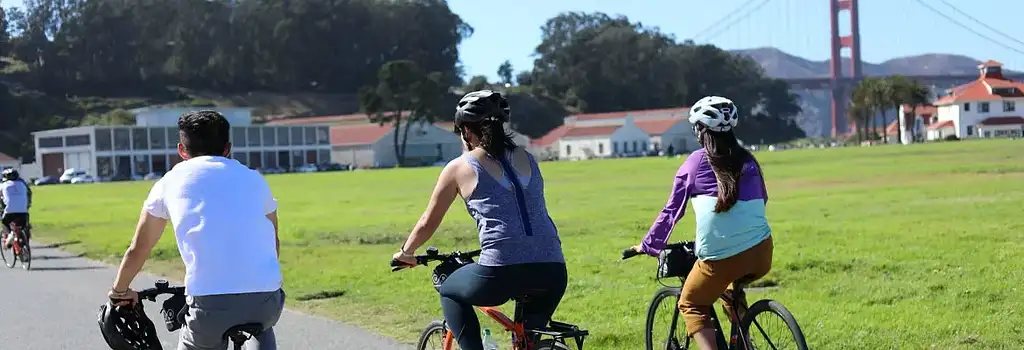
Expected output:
(437, 335)
(20, 249)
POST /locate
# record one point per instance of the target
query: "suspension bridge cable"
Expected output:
(965, 27)
(743, 6)
(983, 24)
(737, 20)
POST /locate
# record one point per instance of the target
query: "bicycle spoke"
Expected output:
(767, 341)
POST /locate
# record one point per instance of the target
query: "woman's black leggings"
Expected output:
(478, 285)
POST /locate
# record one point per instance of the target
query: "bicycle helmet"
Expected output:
(715, 113)
(480, 105)
(10, 174)
(127, 328)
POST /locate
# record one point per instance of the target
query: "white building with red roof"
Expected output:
(617, 134)
(7, 161)
(986, 107)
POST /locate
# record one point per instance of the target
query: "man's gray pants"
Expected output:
(210, 316)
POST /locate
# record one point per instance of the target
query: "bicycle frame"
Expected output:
(516, 328)
(19, 238)
(737, 339)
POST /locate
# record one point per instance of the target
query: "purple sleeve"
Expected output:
(760, 175)
(682, 188)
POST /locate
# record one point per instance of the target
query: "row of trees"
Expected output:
(586, 62)
(876, 96)
(117, 47)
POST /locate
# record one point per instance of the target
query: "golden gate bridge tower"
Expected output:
(841, 85)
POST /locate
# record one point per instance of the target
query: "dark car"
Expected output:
(332, 167)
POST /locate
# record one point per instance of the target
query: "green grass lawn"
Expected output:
(875, 248)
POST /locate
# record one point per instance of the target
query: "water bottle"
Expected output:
(489, 343)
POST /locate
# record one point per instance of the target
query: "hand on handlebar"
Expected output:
(409, 260)
(631, 252)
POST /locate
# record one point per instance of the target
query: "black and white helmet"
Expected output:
(715, 113)
(479, 105)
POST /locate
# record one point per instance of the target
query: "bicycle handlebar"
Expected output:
(433, 255)
(160, 287)
(629, 253)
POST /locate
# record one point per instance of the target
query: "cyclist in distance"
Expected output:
(225, 223)
(502, 186)
(733, 241)
(16, 198)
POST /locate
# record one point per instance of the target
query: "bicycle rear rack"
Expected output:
(561, 331)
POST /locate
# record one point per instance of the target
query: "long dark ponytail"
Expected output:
(494, 139)
(727, 158)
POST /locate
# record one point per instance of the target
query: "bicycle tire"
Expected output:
(26, 257)
(671, 293)
(775, 307)
(550, 344)
(8, 261)
(435, 326)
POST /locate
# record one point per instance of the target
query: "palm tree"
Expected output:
(865, 102)
(882, 97)
(913, 93)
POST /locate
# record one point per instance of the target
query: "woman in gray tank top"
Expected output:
(502, 186)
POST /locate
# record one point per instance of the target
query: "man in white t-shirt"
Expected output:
(225, 223)
(15, 199)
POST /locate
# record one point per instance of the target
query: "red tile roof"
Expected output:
(1008, 120)
(6, 158)
(991, 63)
(552, 136)
(655, 127)
(979, 90)
(941, 124)
(663, 112)
(592, 131)
(922, 110)
(359, 134)
(891, 130)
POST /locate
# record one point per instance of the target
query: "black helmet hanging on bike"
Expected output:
(481, 105)
(10, 174)
(127, 328)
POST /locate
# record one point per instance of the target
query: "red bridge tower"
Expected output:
(842, 84)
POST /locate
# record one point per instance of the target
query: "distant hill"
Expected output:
(815, 118)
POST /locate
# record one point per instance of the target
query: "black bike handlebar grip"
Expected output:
(396, 263)
(629, 253)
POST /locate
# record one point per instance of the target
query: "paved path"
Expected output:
(55, 305)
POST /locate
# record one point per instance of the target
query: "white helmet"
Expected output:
(714, 112)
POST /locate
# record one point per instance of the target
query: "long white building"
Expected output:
(124, 152)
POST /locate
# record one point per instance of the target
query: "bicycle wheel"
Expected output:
(550, 344)
(8, 255)
(26, 256)
(765, 314)
(668, 320)
(433, 336)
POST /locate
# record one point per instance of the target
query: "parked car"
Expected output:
(47, 180)
(332, 167)
(307, 168)
(83, 179)
(270, 170)
(70, 174)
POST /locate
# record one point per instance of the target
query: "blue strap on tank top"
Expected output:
(510, 173)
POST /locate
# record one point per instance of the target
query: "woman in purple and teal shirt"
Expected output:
(724, 182)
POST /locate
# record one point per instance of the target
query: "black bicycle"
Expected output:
(675, 261)
(174, 317)
(522, 338)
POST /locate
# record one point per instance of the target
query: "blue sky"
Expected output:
(889, 28)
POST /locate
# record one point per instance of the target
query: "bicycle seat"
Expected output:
(240, 331)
